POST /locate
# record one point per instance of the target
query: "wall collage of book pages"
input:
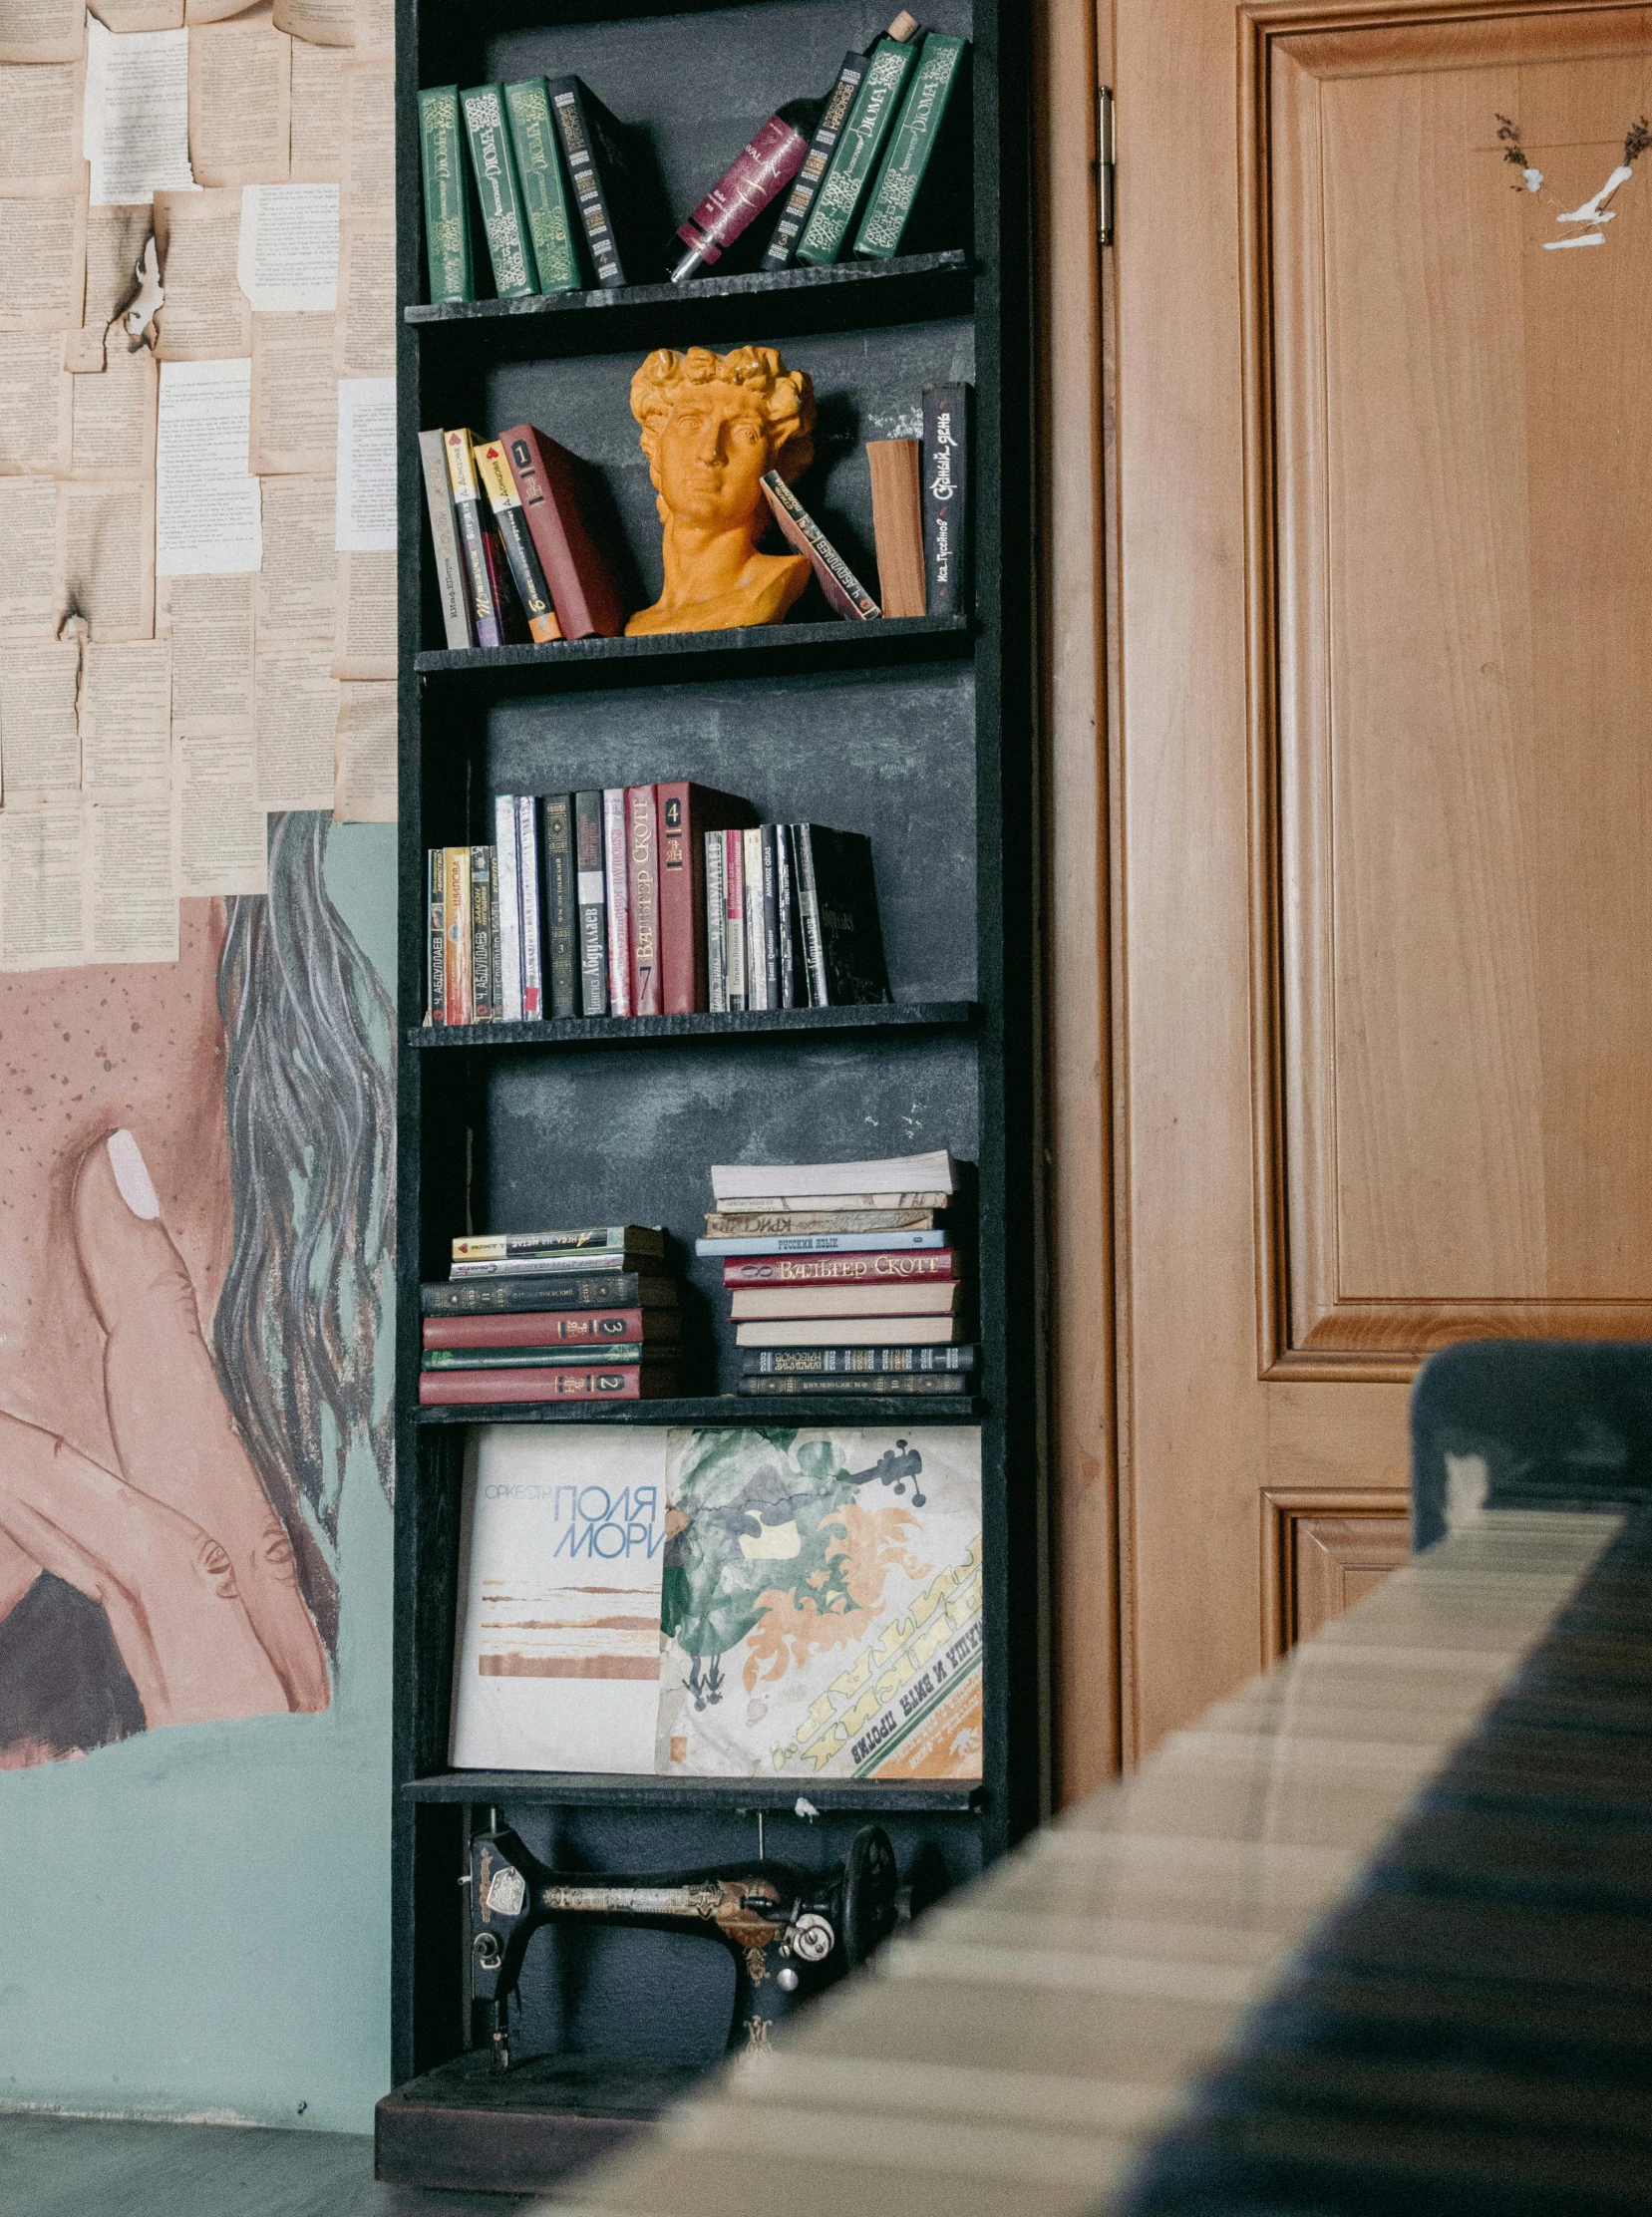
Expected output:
(197, 500)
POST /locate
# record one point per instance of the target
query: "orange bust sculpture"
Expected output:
(712, 424)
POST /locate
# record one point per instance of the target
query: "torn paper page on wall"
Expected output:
(366, 466)
(364, 772)
(207, 316)
(241, 93)
(126, 720)
(289, 257)
(137, 131)
(295, 425)
(40, 746)
(206, 499)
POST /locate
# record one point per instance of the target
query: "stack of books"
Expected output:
(560, 1316)
(841, 1276)
(877, 167)
(625, 902)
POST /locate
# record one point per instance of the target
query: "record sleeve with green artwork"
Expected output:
(821, 1605)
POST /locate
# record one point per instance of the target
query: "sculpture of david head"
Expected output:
(712, 426)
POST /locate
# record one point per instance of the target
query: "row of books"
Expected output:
(555, 1316)
(563, 188)
(841, 1277)
(649, 900)
(522, 554)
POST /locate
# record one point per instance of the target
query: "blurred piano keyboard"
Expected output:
(1371, 1935)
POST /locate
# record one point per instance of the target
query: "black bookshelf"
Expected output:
(918, 733)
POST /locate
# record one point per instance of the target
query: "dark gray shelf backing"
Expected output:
(741, 1797)
(782, 1411)
(631, 1140)
(789, 304)
(764, 650)
(643, 1031)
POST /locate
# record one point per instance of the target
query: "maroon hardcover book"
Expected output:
(584, 586)
(567, 1327)
(841, 1270)
(642, 871)
(686, 813)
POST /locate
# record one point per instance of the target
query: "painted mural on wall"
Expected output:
(195, 1171)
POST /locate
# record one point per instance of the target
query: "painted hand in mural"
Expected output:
(191, 1567)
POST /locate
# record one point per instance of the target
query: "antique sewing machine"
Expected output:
(789, 1930)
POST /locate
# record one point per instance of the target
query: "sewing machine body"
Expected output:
(789, 1930)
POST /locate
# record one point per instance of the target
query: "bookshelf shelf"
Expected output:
(581, 1033)
(766, 650)
(727, 1409)
(744, 1796)
(788, 305)
(918, 733)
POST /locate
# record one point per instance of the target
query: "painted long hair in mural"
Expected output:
(196, 1169)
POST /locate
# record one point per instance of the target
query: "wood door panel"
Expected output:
(1324, 1548)
(1452, 639)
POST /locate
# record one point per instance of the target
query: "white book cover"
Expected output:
(822, 1604)
(557, 1660)
(928, 1173)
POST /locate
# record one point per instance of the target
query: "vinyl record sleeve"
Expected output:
(821, 1605)
(557, 1659)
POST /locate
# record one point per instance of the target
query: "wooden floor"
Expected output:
(72, 2166)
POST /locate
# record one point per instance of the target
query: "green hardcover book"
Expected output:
(923, 114)
(855, 155)
(499, 190)
(447, 204)
(543, 187)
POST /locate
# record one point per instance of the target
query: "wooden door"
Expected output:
(1382, 765)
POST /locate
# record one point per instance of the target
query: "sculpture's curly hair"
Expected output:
(787, 397)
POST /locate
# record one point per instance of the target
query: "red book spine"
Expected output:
(686, 813)
(582, 1382)
(581, 1328)
(581, 578)
(643, 871)
(841, 1270)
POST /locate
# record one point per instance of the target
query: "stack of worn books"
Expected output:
(587, 1315)
(842, 1277)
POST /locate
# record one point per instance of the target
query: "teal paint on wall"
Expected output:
(198, 1920)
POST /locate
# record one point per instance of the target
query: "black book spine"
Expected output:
(590, 890)
(570, 104)
(511, 1297)
(562, 918)
(851, 939)
(483, 1004)
(771, 915)
(795, 214)
(947, 490)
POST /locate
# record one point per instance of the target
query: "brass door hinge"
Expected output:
(1104, 165)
